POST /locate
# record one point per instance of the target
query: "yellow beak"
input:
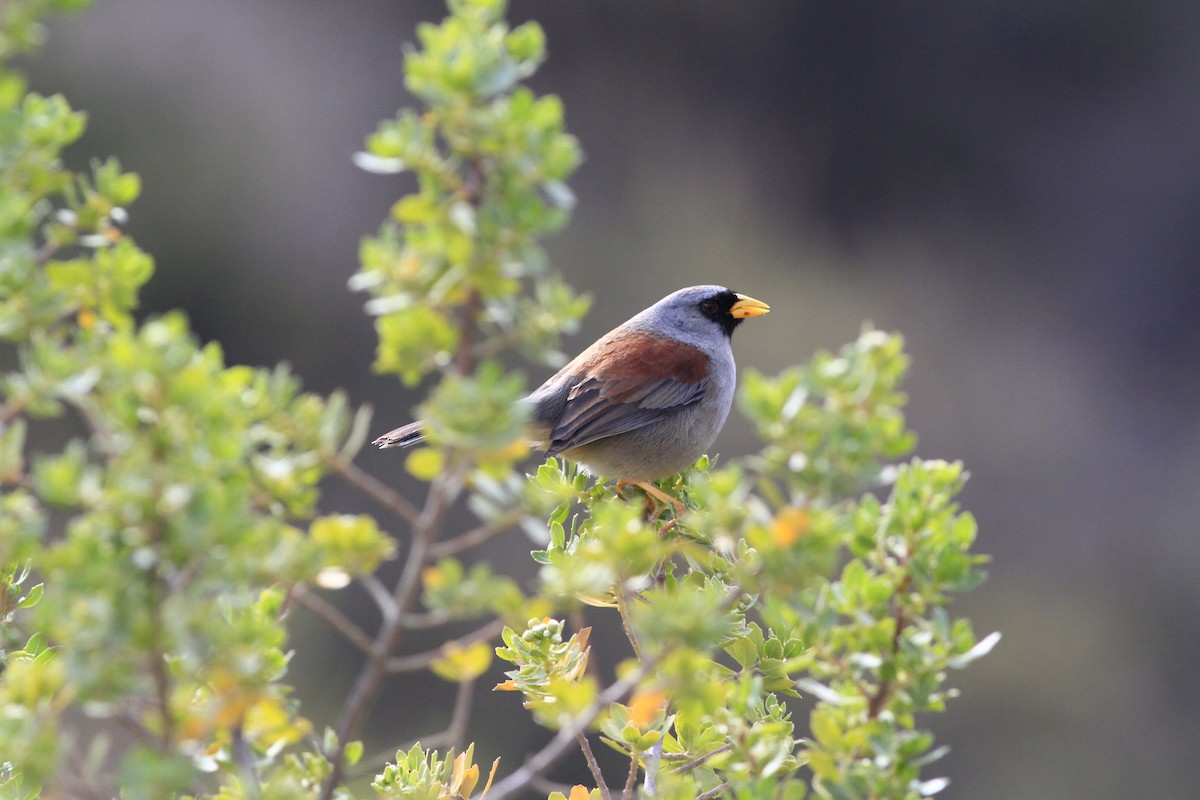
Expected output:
(748, 307)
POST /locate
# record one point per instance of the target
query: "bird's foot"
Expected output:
(654, 492)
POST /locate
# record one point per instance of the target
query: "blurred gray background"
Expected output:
(1013, 185)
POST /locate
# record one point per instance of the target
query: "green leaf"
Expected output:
(979, 650)
(36, 645)
(32, 598)
(464, 663)
(425, 463)
(742, 650)
(329, 740)
(412, 341)
(350, 543)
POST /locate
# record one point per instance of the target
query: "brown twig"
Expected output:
(593, 765)
(419, 661)
(374, 488)
(442, 493)
(713, 792)
(162, 688)
(465, 360)
(337, 620)
(157, 655)
(379, 593)
(695, 762)
(476, 536)
(420, 621)
(426, 525)
(876, 701)
(631, 780)
(461, 715)
(626, 623)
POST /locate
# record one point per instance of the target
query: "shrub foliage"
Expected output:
(786, 629)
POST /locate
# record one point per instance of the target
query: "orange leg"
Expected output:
(653, 491)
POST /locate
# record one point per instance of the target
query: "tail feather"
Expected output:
(403, 436)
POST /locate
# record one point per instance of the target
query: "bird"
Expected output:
(646, 399)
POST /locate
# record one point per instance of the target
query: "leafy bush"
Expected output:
(190, 532)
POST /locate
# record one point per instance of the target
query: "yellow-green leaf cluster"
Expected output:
(550, 670)
(350, 544)
(420, 775)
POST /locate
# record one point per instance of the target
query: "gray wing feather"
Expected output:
(403, 436)
(591, 413)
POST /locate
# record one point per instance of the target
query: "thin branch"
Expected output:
(466, 329)
(593, 765)
(157, 655)
(476, 536)
(381, 596)
(695, 762)
(631, 780)
(876, 701)
(337, 620)
(623, 608)
(162, 690)
(442, 493)
(419, 661)
(374, 488)
(415, 621)
(713, 792)
(562, 741)
(457, 732)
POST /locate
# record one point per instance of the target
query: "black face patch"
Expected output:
(717, 307)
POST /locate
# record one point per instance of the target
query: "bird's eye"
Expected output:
(709, 307)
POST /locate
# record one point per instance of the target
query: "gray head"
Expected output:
(704, 316)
